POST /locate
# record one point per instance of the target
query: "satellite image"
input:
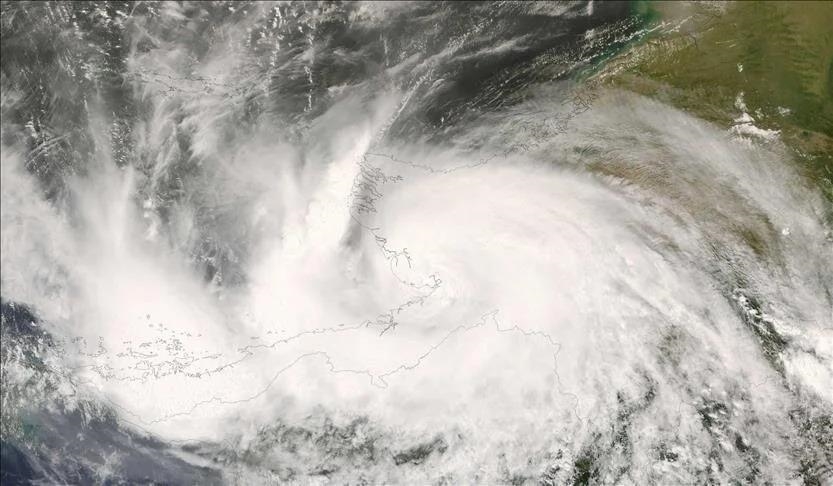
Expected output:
(416, 243)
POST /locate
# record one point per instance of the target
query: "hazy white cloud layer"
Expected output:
(530, 288)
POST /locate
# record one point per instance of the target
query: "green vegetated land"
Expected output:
(779, 55)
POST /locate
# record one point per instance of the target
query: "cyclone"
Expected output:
(399, 243)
